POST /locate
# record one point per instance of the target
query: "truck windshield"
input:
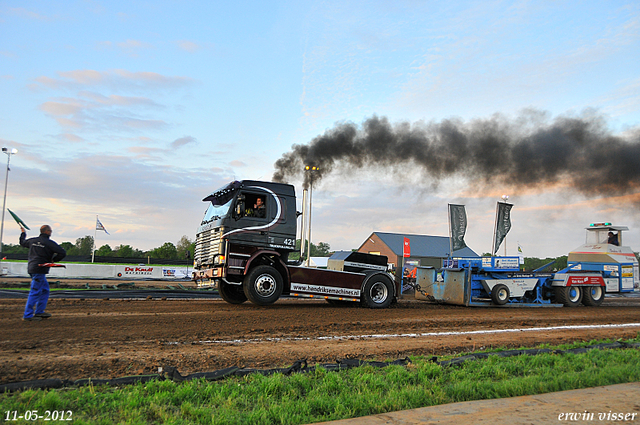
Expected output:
(216, 212)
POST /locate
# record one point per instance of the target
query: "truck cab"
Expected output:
(244, 241)
(242, 219)
(603, 251)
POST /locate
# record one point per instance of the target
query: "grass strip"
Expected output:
(322, 395)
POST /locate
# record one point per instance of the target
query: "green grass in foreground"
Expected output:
(322, 395)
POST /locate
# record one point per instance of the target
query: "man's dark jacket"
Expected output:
(41, 250)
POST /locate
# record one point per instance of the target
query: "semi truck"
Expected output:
(593, 269)
(243, 245)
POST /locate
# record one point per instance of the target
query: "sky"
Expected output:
(135, 111)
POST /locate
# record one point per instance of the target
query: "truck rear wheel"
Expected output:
(263, 285)
(500, 294)
(233, 294)
(569, 296)
(377, 292)
(593, 295)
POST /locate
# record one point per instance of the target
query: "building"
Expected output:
(425, 250)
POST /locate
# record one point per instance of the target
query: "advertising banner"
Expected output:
(457, 226)
(406, 248)
(503, 224)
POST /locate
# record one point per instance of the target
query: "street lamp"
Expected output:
(9, 152)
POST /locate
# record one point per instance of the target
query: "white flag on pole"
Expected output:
(99, 226)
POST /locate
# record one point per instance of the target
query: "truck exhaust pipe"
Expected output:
(304, 223)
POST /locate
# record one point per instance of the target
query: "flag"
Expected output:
(406, 248)
(503, 224)
(520, 254)
(457, 226)
(99, 226)
(18, 219)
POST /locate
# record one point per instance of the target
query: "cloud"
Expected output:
(182, 141)
(69, 137)
(188, 46)
(133, 198)
(237, 163)
(132, 47)
(113, 101)
(115, 79)
(92, 111)
(624, 99)
(29, 14)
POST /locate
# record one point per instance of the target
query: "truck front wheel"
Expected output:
(263, 285)
(569, 296)
(593, 295)
(233, 294)
(377, 292)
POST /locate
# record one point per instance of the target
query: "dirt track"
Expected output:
(112, 338)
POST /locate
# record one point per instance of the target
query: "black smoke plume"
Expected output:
(530, 150)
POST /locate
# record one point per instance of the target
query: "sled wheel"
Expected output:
(263, 285)
(233, 294)
(500, 294)
(377, 292)
(593, 295)
(569, 296)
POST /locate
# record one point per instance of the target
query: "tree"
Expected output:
(14, 249)
(84, 245)
(67, 246)
(185, 245)
(105, 251)
(124, 251)
(167, 251)
(532, 263)
(321, 250)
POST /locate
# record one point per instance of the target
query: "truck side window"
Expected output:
(255, 206)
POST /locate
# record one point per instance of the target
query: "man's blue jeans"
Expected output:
(38, 295)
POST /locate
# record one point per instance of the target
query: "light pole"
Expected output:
(310, 169)
(9, 152)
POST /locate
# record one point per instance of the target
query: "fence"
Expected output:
(112, 260)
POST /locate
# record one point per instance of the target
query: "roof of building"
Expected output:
(320, 262)
(423, 245)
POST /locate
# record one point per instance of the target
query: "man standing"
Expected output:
(42, 250)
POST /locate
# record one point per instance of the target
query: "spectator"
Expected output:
(42, 250)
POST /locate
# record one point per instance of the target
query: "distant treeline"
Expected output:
(182, 251)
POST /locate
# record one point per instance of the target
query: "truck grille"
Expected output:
(208, 245)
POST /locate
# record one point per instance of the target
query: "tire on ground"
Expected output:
(569, 296)
(377, 292)
(263, 285)
(233, 294)
(593, 295)
(500, 294)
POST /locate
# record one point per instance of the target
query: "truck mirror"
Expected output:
(239, 209)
